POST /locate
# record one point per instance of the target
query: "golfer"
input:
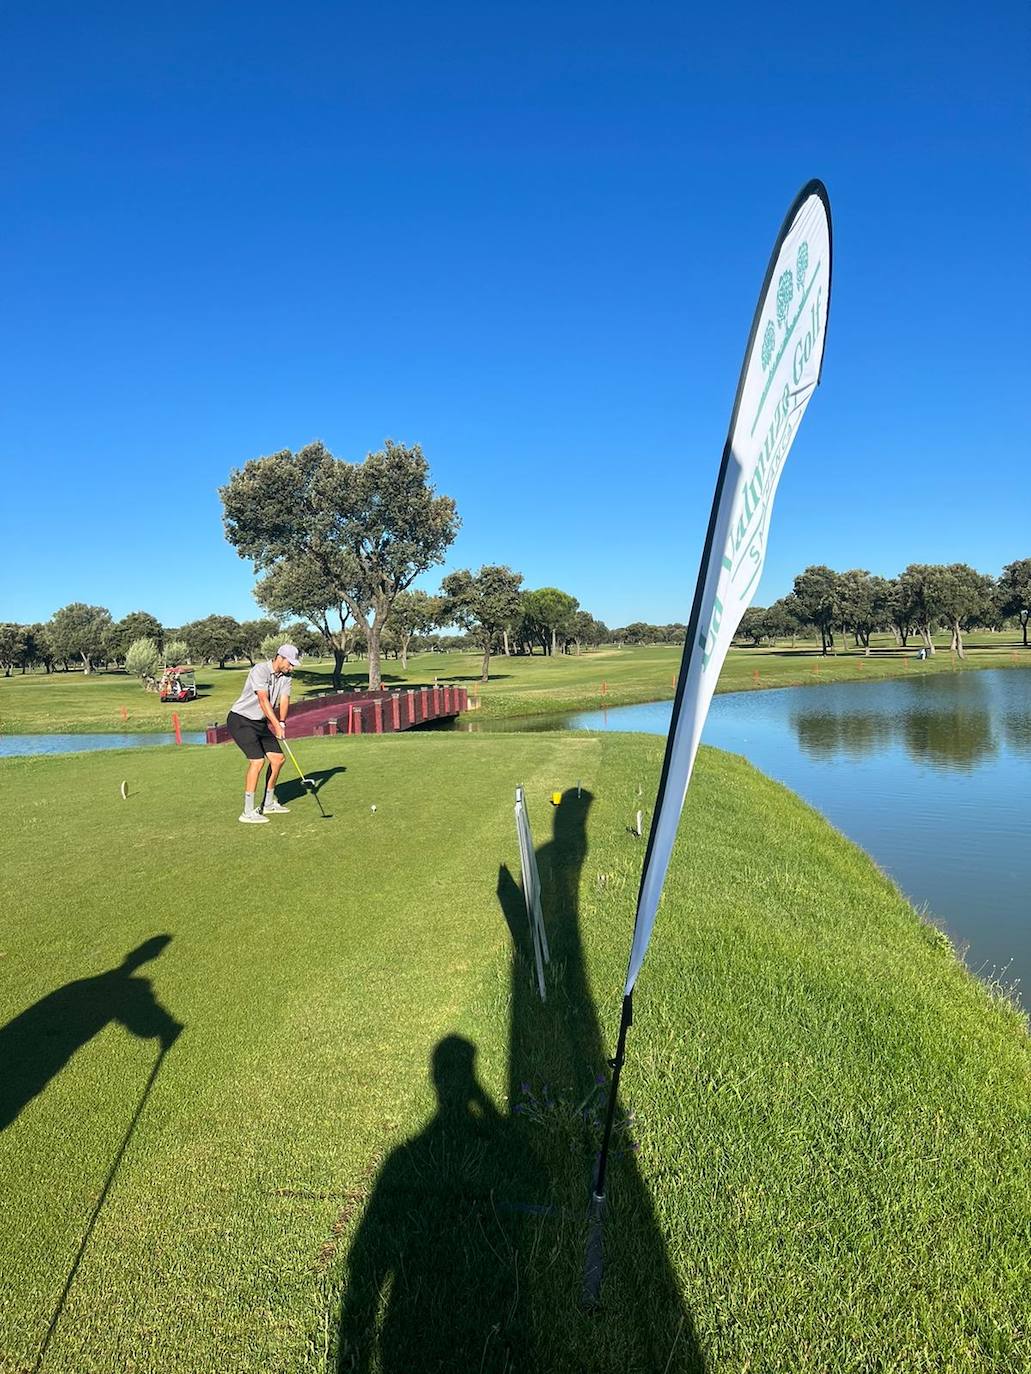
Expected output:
(257, 724)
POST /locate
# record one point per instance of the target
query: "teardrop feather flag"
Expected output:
(782, 367)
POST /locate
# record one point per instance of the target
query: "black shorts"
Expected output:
(254, 737)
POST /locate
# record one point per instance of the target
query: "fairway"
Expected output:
(525, 685)
(826, 1164)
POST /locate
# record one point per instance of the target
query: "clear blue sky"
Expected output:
(529, 237)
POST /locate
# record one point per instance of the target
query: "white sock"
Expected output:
(248, 803)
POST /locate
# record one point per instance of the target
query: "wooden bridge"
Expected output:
(365, 713)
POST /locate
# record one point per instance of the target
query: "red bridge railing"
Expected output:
(366, 713)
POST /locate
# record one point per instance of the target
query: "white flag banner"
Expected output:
(781, 371)
(531, 889)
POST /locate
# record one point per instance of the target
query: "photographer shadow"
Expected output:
(469, 1257)
(434, 1271)
(558, 1085)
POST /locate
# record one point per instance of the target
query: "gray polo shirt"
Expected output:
(261, 678)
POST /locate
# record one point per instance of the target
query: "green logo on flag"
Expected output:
(801, 265)
(769, 344)
(786, 288)
(785, 291)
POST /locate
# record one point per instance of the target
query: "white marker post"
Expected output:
(531, 889)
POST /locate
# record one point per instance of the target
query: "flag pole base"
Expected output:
(594, 1262)
(594, 1265)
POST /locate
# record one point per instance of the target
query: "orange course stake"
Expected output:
(604, 689)
(125, 713)
(177, 727)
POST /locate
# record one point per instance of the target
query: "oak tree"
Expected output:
(369, 528)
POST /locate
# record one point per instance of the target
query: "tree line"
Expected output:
(496, 614)
(88, 637)
(337, 545)
(923, 598)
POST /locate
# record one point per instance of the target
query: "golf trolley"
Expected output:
(178, 684)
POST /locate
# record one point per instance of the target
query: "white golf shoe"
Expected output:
(275, 808)
(254, 818)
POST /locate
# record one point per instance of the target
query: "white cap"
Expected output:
(289, 652)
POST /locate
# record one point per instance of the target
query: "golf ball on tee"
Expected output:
(372, 807)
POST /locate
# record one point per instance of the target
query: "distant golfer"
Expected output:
(257, 723)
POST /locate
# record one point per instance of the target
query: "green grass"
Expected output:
(532, 685)
(831, 1113)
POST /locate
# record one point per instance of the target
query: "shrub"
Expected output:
(177, 652)
(143, 660)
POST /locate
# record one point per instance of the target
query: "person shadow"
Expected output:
(470, 1252)
(433, 1273)
(40, 1041)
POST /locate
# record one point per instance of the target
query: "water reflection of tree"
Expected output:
(950, 723)
(825, 734)
(955, 739)
(470, 1252)
(1017, 725)
(946, 725)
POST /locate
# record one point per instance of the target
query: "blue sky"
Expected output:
(529, 237)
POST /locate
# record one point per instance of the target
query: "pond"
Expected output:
(11, 745)
(931, 776)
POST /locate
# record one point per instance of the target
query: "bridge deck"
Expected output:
(365, 713)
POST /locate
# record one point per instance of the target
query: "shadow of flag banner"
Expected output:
(782, 369)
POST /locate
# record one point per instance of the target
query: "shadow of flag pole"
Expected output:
(782, 367)
(59, 1309)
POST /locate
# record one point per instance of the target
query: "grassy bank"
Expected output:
(826, 1166)
(518, 686)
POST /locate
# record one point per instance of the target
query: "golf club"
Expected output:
(306, 783)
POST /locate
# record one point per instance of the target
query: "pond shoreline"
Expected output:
(745, 671)
(928, 776)
(881, 666)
